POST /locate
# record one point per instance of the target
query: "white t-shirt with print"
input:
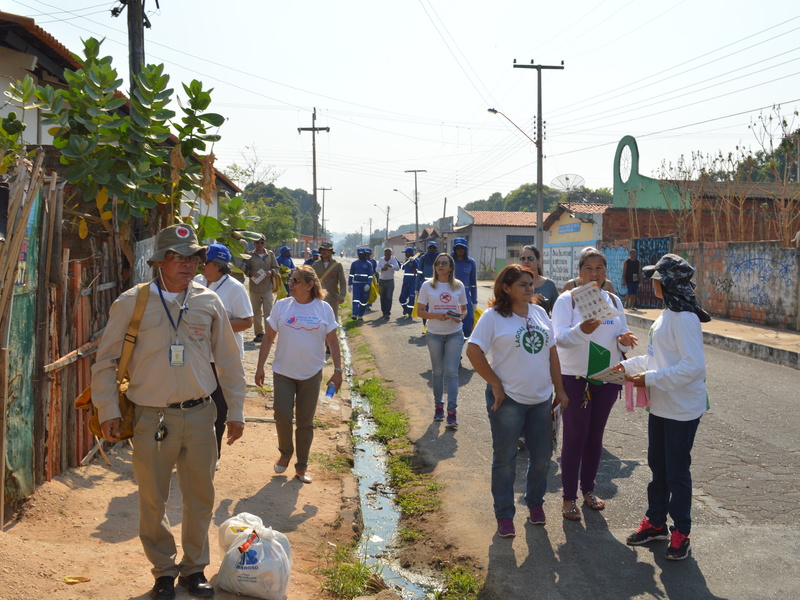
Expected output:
(234, 298)
(301, 328)
(518, 351)
(440, 299)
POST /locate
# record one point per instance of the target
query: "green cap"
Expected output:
(181, 239)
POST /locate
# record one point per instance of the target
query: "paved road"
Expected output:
(747, 502)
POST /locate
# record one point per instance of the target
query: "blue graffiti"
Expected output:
(759, 273)
(651, 249)
(615, 258)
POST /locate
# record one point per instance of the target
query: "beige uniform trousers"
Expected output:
(190, 445)
(261, 300)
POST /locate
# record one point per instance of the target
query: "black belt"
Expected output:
(187, 403)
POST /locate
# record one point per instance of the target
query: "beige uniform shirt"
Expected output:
(204, 331)
(261, 261)
(335, 282)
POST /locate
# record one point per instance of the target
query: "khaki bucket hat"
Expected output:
(181, 239)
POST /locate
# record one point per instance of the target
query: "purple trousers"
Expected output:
(582, 442)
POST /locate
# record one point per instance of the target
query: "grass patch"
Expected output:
(320, 424)
(348, 576)
(337, 463)
(417, 493)
(390, 423)
(409, 534)
(460, 584)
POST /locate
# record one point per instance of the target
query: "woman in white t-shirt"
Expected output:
(303, 324)
(442, 300)
(521, 371)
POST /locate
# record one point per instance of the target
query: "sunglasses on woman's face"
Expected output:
(442, 263)
(528, 258)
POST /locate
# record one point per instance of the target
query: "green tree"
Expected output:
(494, 202)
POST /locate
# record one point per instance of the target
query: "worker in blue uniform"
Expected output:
(408, 291)
(466, 272)
(313, 258)
(285, 260)
(361, 273)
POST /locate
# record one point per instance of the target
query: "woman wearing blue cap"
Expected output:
(216, 276)
(674, 372)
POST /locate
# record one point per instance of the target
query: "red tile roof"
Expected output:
(504, 218)
(580, 207)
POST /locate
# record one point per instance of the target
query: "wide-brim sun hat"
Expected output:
(180, 239)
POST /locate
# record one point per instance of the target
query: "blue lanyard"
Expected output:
(180, 315)
(220, 284)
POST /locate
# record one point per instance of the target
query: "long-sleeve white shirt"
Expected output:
(573, 344)
(674, 367)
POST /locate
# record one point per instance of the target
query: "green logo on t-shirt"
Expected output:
(533, 341)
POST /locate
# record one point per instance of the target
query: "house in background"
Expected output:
(569, 229)
(495, 238)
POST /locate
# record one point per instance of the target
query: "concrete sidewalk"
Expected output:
(779, 346)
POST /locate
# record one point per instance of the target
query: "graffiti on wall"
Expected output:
(651, 249)
(615, 259)
(756, 278)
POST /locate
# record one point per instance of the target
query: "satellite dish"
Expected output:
(568, 182)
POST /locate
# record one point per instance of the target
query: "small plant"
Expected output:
(349, 576)
(460, 584)
(320, 424)
(409, 534)
(334, 464)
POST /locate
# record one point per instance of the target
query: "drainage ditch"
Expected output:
(379, 511)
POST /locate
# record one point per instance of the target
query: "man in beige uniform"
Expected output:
(334, 281)
(183, 326)
(259, 268)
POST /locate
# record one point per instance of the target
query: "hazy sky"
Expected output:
(406, 85)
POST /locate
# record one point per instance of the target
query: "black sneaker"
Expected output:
(258, 338)
(678, 546)
(647, 533)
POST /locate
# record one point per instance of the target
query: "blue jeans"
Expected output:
(534, 422)
(669, 448)
(445, 351)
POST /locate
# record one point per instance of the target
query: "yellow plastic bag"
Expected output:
(285, 272)
(476, 315)
(414, 314)
(374, 291)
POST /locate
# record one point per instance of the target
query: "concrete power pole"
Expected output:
(416, 204)
(313, 129)
(137, 21)
(539, 200)
(323, 190)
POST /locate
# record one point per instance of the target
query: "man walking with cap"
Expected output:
(387, 265)
(408, 290)
(184, 325)
(331, 276)
(361, 273)
(259, 268)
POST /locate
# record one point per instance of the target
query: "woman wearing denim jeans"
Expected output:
(674, 372)
(521, 371)
(442, 300)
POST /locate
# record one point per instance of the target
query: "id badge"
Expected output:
(176, 355)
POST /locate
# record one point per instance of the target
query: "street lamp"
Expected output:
(386, 212)
(539, 202)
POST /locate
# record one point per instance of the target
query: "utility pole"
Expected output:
(539, 200)
(323, 190)
(386, 238)
(369, 243)
(416, 203)
(137, 21)
(313, 129)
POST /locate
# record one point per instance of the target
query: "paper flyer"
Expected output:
(259, 276)
(609, 375)
(591, 304)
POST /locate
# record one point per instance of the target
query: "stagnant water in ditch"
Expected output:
(379, 511)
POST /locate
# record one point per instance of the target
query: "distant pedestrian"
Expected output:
(577, 282)
(674, 372)
(408, 290)
(260, 268)
(545, 292)
(216, 276)
(631, 277)
(374, 263)
(521, 372)
(331, 276)
(387, 267)
(313, 258)
(443, 300)
(302, 324)
(466, 273)
(360, 280)
(285, 260)
(586, 347)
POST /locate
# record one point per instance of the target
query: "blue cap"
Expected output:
(315, 252)
(285, 248)
(460, 242)
(409, 249)
(432, 243)
(360, 251)
(219, 252)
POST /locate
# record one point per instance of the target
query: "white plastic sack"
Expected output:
(231, 530)
(257, 567)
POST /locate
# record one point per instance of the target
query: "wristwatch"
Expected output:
(337, 370)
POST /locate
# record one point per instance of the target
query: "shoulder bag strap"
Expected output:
(327, 271)
(133, 329)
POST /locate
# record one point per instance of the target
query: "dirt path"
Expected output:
(84, 523)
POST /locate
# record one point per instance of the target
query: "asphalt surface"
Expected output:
(746, 459)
